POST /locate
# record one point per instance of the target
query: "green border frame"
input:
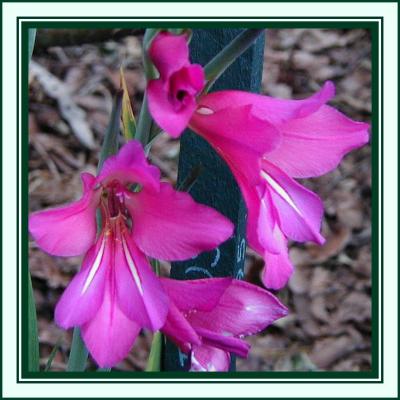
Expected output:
(377, 212)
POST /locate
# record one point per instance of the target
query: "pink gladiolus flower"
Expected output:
(209, 317)
(172, 97)
(266, 142)
(116, 292)
(302, 138)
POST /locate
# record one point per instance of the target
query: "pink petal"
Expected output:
(109, 335)
(271, 109)
(261, 217)
(179, 330)
(84, 295)
(69, 230)
(238, 135)
(169, 53)
(278, 267)
(320, 140)
(170, 225)
(244, 309)
(190, 79)
(319, 132)
(208, 358)
(172, 120)
(197, 294)
(139, 292)
(224, 342)
(300, 210)
(130, 166)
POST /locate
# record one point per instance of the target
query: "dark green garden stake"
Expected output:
(215, 186)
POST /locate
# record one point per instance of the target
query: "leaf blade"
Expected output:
(31, 41)
(79, 353)
(53, 354)
(33, 337)
(128, 118)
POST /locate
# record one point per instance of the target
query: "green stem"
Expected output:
(145, 121)
(154, 361)
(148, 66)
(214, 69)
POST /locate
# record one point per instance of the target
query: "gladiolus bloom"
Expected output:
(116, 292)
(302, 138)
(266, 142)
(208, 318)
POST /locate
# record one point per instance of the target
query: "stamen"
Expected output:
(132, 266)
(95, 266)
(275, 185)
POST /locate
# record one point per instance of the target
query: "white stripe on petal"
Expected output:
(195, 365)
(275, 185)
(94, 267)
(132, 266)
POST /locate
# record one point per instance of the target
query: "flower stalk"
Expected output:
(217, 66)
(154, 361)
(145, 121)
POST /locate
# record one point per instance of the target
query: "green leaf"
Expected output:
(145, 123)
(31, 41)
(33, 338)
(53, 354)
(79, 354)
(154, 361)
(155, 264)
(128, 118)
(215, 68)
(111, 138)
(187, 184)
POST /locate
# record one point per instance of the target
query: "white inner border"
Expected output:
(308, 390)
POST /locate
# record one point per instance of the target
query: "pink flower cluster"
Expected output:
(266, 142)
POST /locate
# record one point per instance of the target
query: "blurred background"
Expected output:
(72, 78)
